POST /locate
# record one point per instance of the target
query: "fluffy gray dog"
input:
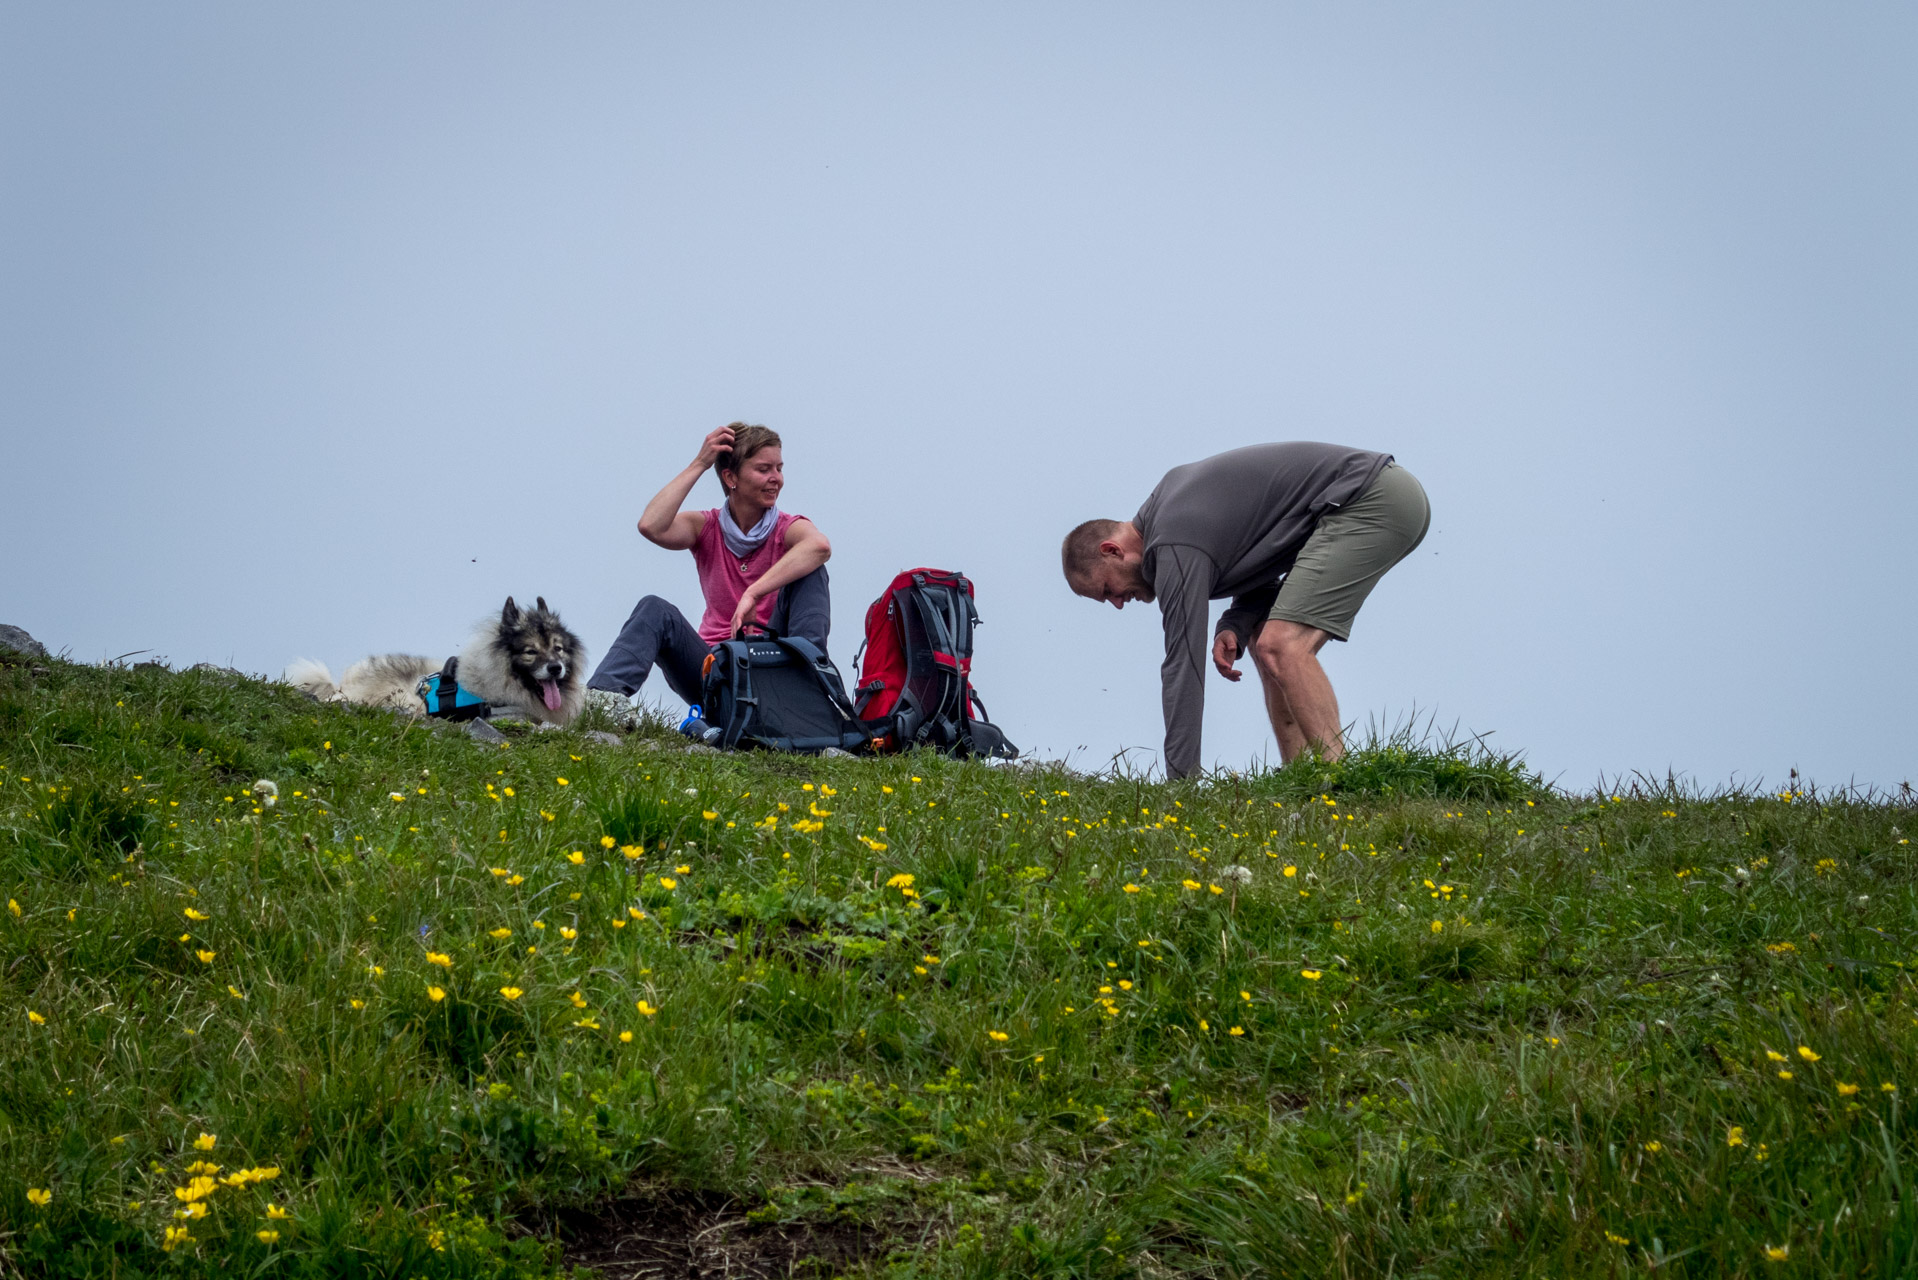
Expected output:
(523, 663)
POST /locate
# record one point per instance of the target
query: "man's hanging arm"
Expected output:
(1182, 581)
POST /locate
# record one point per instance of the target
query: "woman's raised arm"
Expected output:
(662, 523)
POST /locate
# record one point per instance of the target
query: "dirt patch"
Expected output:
(676, 1235)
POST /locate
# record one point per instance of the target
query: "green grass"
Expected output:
(1456, 1024)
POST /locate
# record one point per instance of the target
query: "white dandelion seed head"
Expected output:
(1236, 874)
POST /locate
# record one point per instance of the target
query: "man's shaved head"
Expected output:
(1079, 555)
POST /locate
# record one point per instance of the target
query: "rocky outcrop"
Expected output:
(19, 641)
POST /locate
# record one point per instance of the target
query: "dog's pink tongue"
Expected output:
(551, 689)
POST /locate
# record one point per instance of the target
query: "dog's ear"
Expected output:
(541, 602)
(509, 616)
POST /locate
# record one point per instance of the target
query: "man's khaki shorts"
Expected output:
(1350, 551)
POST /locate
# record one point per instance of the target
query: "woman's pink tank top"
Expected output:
(724, 577)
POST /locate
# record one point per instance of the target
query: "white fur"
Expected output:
(313, 679)
(392, 680)
(485, 670)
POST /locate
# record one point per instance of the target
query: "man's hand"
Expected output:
(748, 611)
(1225, 652)
(716, 443)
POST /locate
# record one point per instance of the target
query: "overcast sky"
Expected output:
(325, 327)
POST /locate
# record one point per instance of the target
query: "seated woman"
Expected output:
(757, 564)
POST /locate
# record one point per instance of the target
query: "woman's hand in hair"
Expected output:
(717, 442)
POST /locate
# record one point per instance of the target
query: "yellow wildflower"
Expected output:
(1777, 1252)
(646, 1010)
(998, 1035)
(274, 1211)
(1311, 975)
(205, 1141)
(511, 993)
(1846, 1090)
(607, 842)
(1804, 1051)
(435, 994)
(38, 1019)
(40, 1197)
(267, 1236)
(667, 882)
(206, 957)
(439, 958)
(502, 933)
(576, 857)
(193, 915)
(1735, 1136)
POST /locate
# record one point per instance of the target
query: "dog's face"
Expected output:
(542, 652)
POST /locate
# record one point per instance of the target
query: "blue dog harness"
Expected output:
(446, 700)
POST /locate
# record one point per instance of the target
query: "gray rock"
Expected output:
(603, 737)
(617, 708)
(834, 753)
(19, 641)
(700, 749)
(480, 731)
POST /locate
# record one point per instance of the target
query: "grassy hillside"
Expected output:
(445, 1009)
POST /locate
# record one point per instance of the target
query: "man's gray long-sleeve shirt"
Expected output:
(1231, 525)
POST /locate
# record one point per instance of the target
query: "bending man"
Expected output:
(1296, 534)
(757, 565)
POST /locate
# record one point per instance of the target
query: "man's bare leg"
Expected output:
(1299, 697)
(1284, 726)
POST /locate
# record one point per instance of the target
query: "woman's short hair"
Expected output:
(748, 438)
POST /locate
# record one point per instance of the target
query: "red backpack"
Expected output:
(915, 682)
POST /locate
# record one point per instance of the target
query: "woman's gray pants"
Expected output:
(658, 634)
